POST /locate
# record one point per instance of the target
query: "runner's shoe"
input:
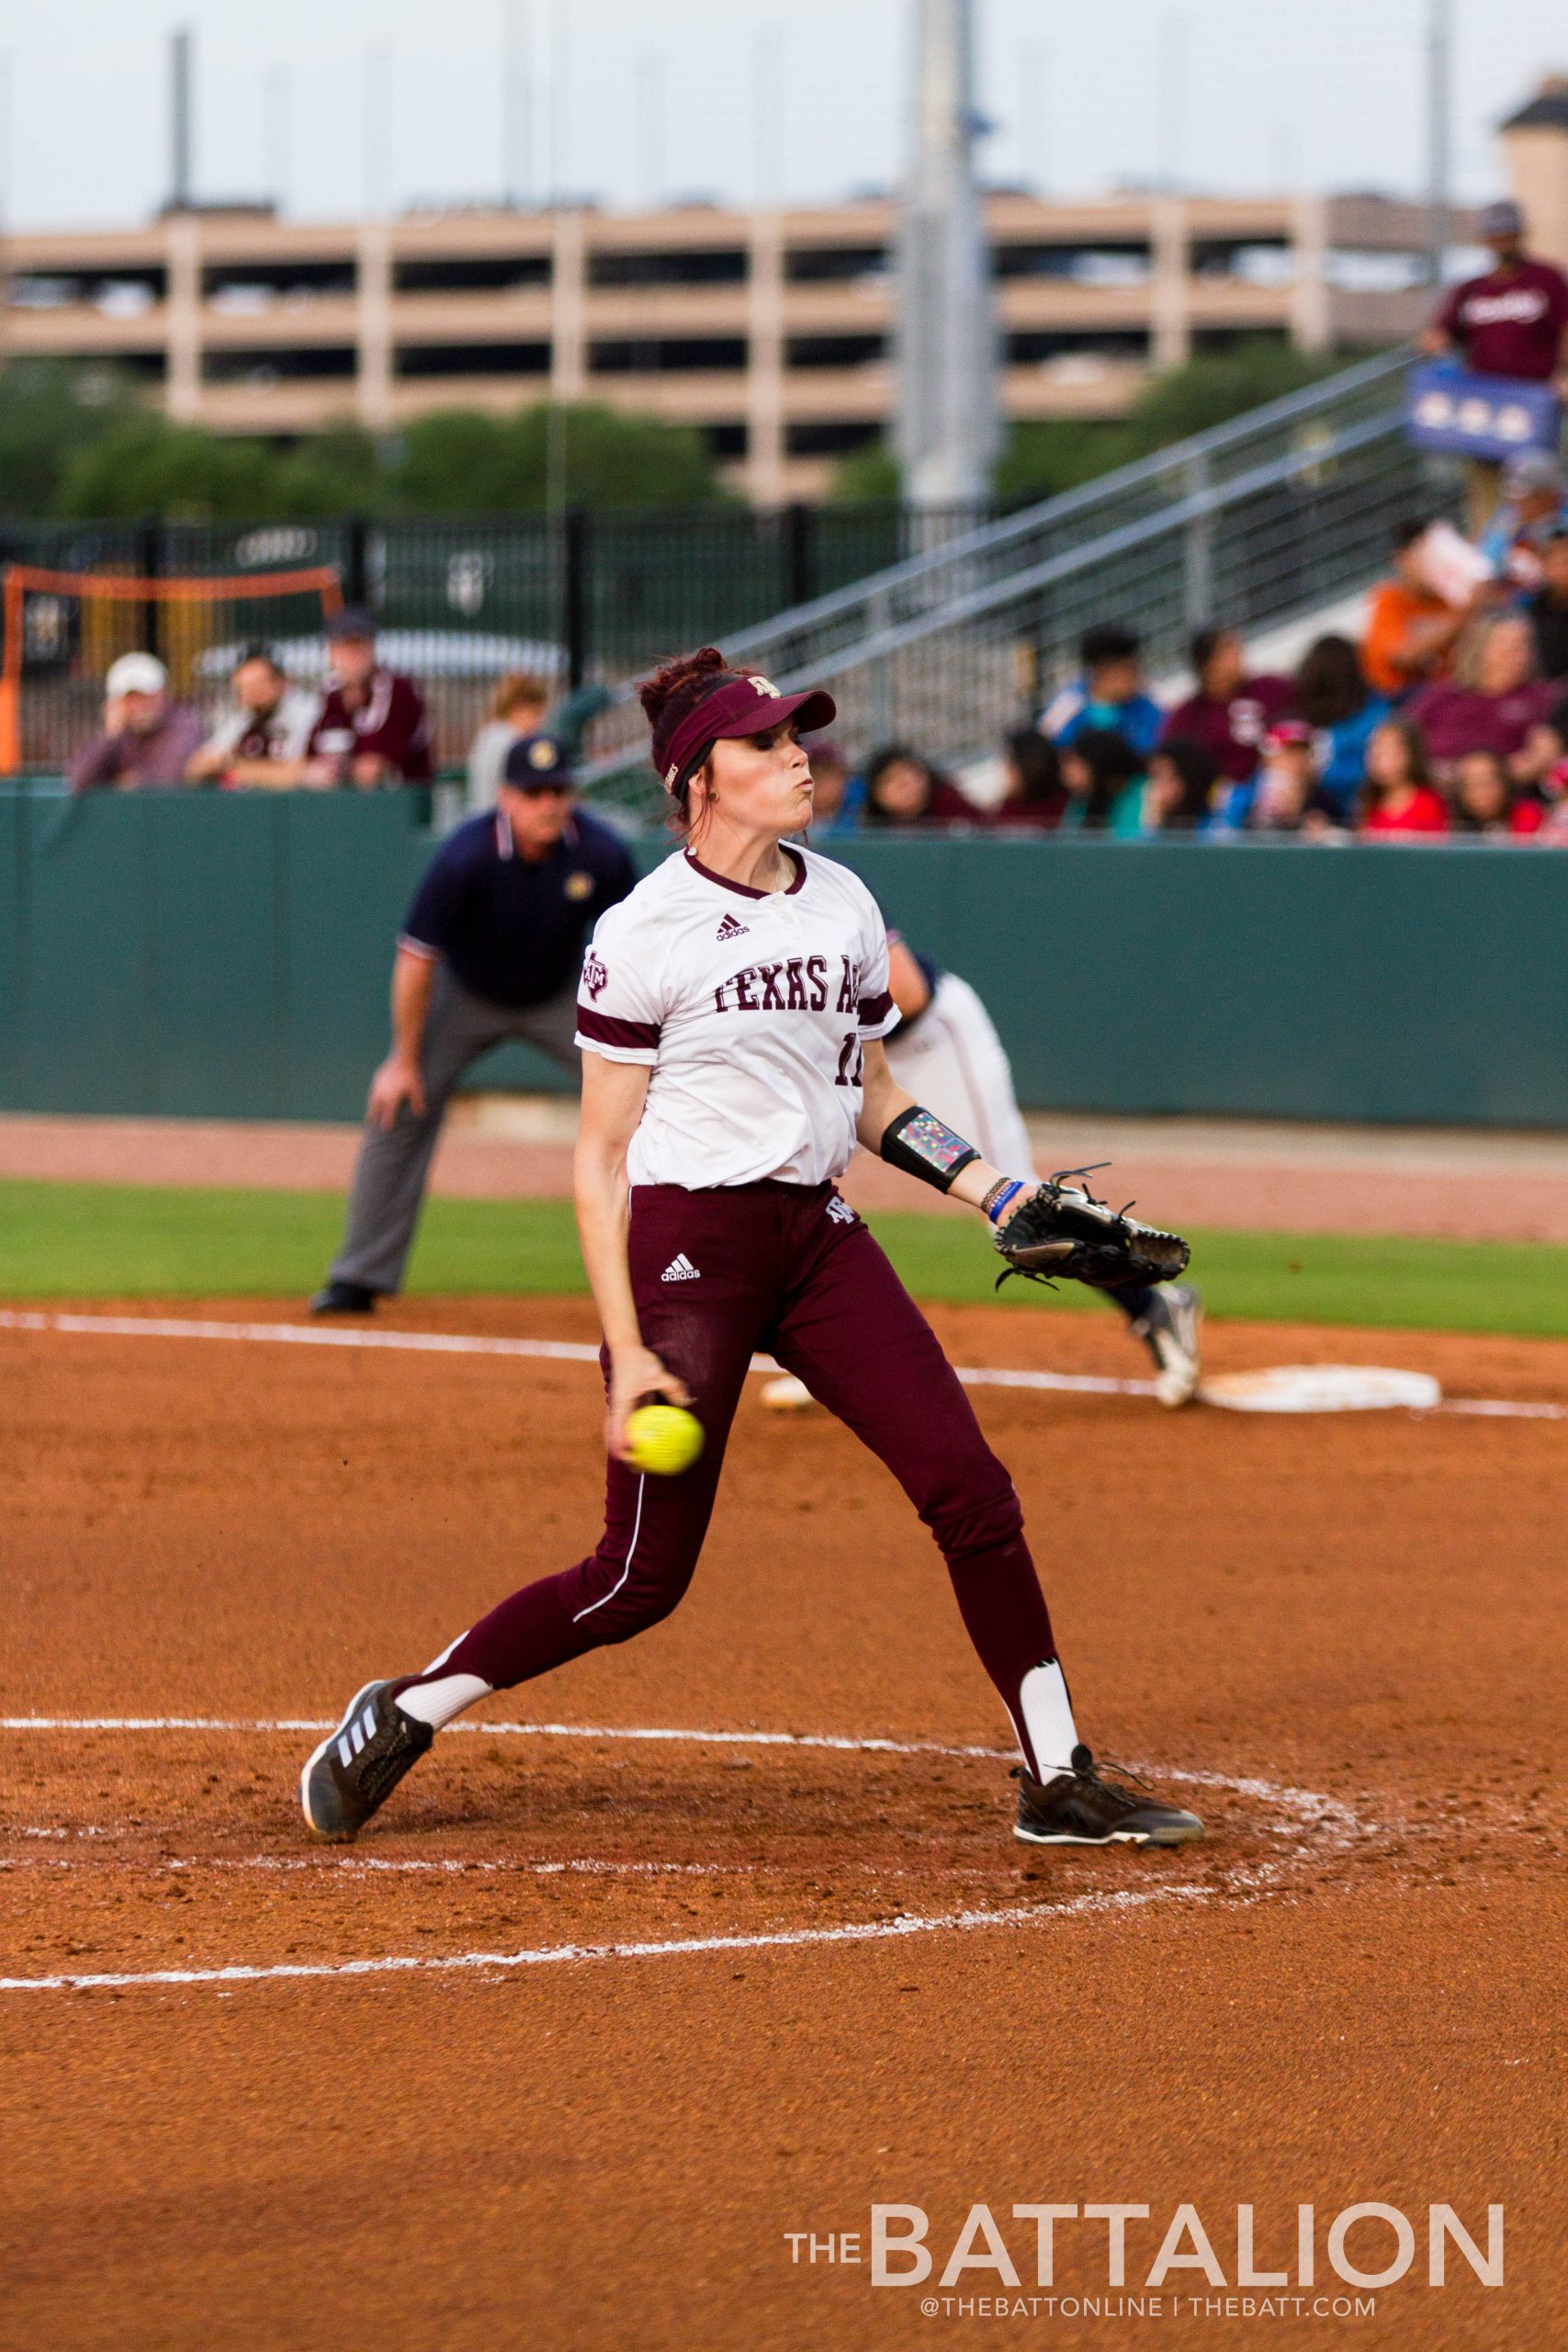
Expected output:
(1169, 1328)
(1084, 1808)
(354, 1772)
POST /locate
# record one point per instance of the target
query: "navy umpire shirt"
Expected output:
(510, 930)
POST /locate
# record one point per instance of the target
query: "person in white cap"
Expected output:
(146, 737)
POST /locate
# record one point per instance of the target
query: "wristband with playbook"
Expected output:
(922, 1146)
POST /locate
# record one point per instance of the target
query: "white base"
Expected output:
(1322, 1388)
(787, 1395)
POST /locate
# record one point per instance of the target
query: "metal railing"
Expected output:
(1275, 514)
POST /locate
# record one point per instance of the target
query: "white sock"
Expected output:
(437, 1702)
(1048, 1725)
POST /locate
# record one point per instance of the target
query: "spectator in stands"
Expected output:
(1493, 704)
(1534, 504)
(146, 737)
(1340, 707)
(516, 707)
(1103, 780)
(1547, 609)
(1410, 630)
(262, 741)
(1180, 795)
(1398, 795)
(1511, 322)
(1483, 799)
(1034, 794)
(832, 808)
(903, 789)
(1552, 791)
(372, 727)
(1108, 694)
(1230, 712)
(1287, 797)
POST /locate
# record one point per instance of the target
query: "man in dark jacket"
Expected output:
(491, 949)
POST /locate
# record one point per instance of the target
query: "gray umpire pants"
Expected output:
(393, 1165)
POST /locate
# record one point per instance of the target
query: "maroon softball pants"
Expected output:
(789, 1269)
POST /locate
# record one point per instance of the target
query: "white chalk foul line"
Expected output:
(455, 1344)
(345, 1865)
(677, 1947)
(870, 1746)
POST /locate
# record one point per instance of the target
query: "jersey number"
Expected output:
(851, 1062)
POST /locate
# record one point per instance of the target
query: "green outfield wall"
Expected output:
(226, 955)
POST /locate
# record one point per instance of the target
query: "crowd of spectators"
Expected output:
(366, 727)
(1449, 717)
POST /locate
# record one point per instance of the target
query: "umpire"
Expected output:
(491, 949)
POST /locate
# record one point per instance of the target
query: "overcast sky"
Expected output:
(729, 99)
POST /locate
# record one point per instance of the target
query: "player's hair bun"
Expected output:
(680, 686)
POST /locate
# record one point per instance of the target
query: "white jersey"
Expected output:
(750, 1008)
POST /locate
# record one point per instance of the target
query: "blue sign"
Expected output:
(1449, 407)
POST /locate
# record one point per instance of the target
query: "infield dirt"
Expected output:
(1342, 1638)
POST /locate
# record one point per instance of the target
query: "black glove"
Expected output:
(1061, 1233)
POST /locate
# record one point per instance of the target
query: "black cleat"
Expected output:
(357, 1766)
(1082, 1809)
(1169, 1329)
(343, 1298)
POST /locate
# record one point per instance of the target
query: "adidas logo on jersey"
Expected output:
(729, 929)
(680, 1270)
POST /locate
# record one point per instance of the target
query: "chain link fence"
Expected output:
(461, 602)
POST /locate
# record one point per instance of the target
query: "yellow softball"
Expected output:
(663, 1439)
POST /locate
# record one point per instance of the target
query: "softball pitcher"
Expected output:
(731, 1018)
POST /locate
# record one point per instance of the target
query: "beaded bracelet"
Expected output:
(1000, 1195)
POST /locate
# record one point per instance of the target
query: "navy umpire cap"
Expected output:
(538, 763)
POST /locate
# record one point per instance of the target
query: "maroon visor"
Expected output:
(743, 705)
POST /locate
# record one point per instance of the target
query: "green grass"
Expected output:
(128, 1242)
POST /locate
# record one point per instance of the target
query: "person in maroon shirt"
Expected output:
(1495, 704)
(1513, 321)
(1231, 712)
(1033, 795)
(372, 728)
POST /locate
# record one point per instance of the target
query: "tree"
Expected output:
(1212, 388)
(147, 466)
(1044, 457)
(50, 411)
(336, 472)
(867, 476)
(457, 461)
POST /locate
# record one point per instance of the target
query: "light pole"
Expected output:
(948, 428)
